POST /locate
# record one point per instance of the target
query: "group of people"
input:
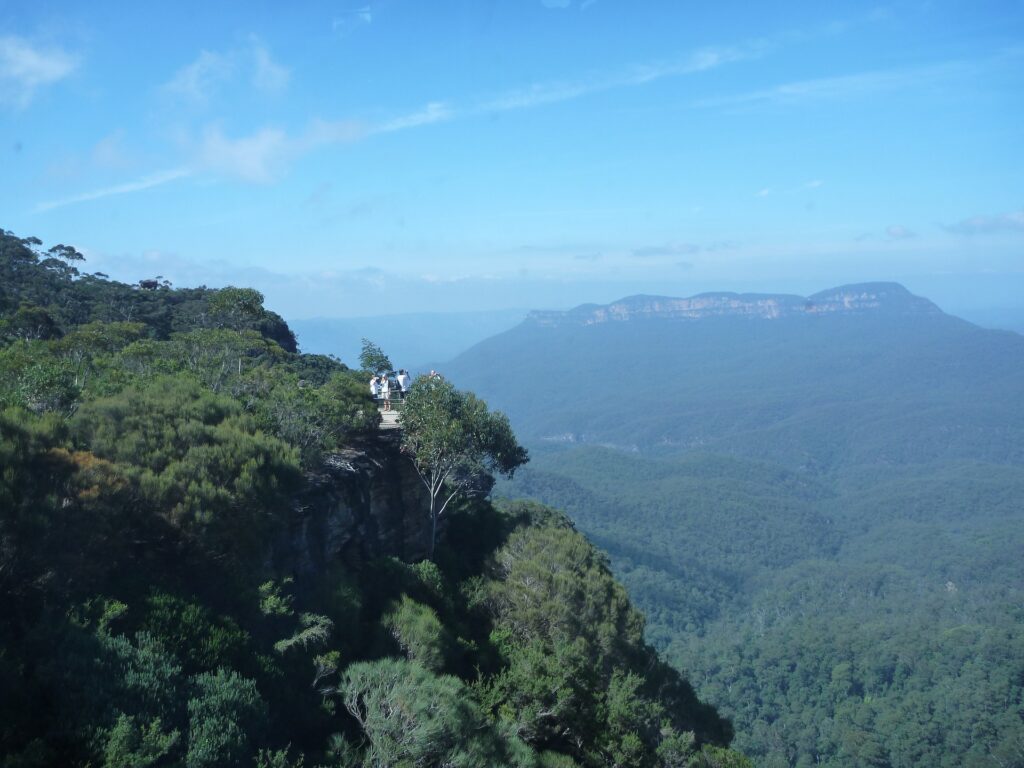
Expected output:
(390, 385)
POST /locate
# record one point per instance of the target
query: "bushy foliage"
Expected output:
(226, 716)
(419, 633)
(577, 671)
(155, 449)
(411, 716)
(196, 457)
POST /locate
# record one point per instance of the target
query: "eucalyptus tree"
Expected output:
(455, 443)
(373, 359)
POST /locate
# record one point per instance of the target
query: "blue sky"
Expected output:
(362, 158)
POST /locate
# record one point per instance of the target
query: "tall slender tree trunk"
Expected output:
(433, 527)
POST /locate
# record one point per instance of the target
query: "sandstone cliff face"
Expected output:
(849, 299)
(366, 502)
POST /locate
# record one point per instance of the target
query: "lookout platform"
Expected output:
(389, 419)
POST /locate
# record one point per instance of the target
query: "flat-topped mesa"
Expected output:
(860, 298)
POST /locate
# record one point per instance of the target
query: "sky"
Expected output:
(369, 158)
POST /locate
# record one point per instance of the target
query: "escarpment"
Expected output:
(859, 299)
(366, 501)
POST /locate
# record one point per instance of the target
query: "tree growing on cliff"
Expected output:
(373, 359)
(455, 443)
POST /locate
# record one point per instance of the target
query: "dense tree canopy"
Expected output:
(155, 449)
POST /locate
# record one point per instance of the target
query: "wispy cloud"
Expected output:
(259, 157)
(550, 92)
(984, 225)
(352, 19)
(25, 68)
(434, 112)
(267, 74)
(146, 182)
(211, 71)
(264, 155)
(256, 158)
(199, 80)
(838, 88)
(898, 232)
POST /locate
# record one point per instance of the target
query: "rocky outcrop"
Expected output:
(367, 501)
(864, 298)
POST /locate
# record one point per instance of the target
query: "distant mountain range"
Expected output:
(429, 339)
(815, 379)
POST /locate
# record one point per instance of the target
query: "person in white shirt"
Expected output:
(374, 388)
(385, 391)
(403, 381)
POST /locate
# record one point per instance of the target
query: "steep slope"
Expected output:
(210, 555)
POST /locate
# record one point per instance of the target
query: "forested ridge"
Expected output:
(152, 443)
(820, 517)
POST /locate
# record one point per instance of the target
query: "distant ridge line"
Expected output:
(859, 298)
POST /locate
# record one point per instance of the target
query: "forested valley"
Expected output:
(821, 516)
(172, 595)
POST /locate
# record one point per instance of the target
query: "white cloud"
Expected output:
(146, 182)
(897, 232)
(352, 19)
(200, 79)
(988, 224)
(267, 75)
(211, 71)
(264, 156)
(551, 92)
(814, 184)
(763, 192)
(434, 112)
(24, 69)
(256, 158)
(261, 157)
(839, 88)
